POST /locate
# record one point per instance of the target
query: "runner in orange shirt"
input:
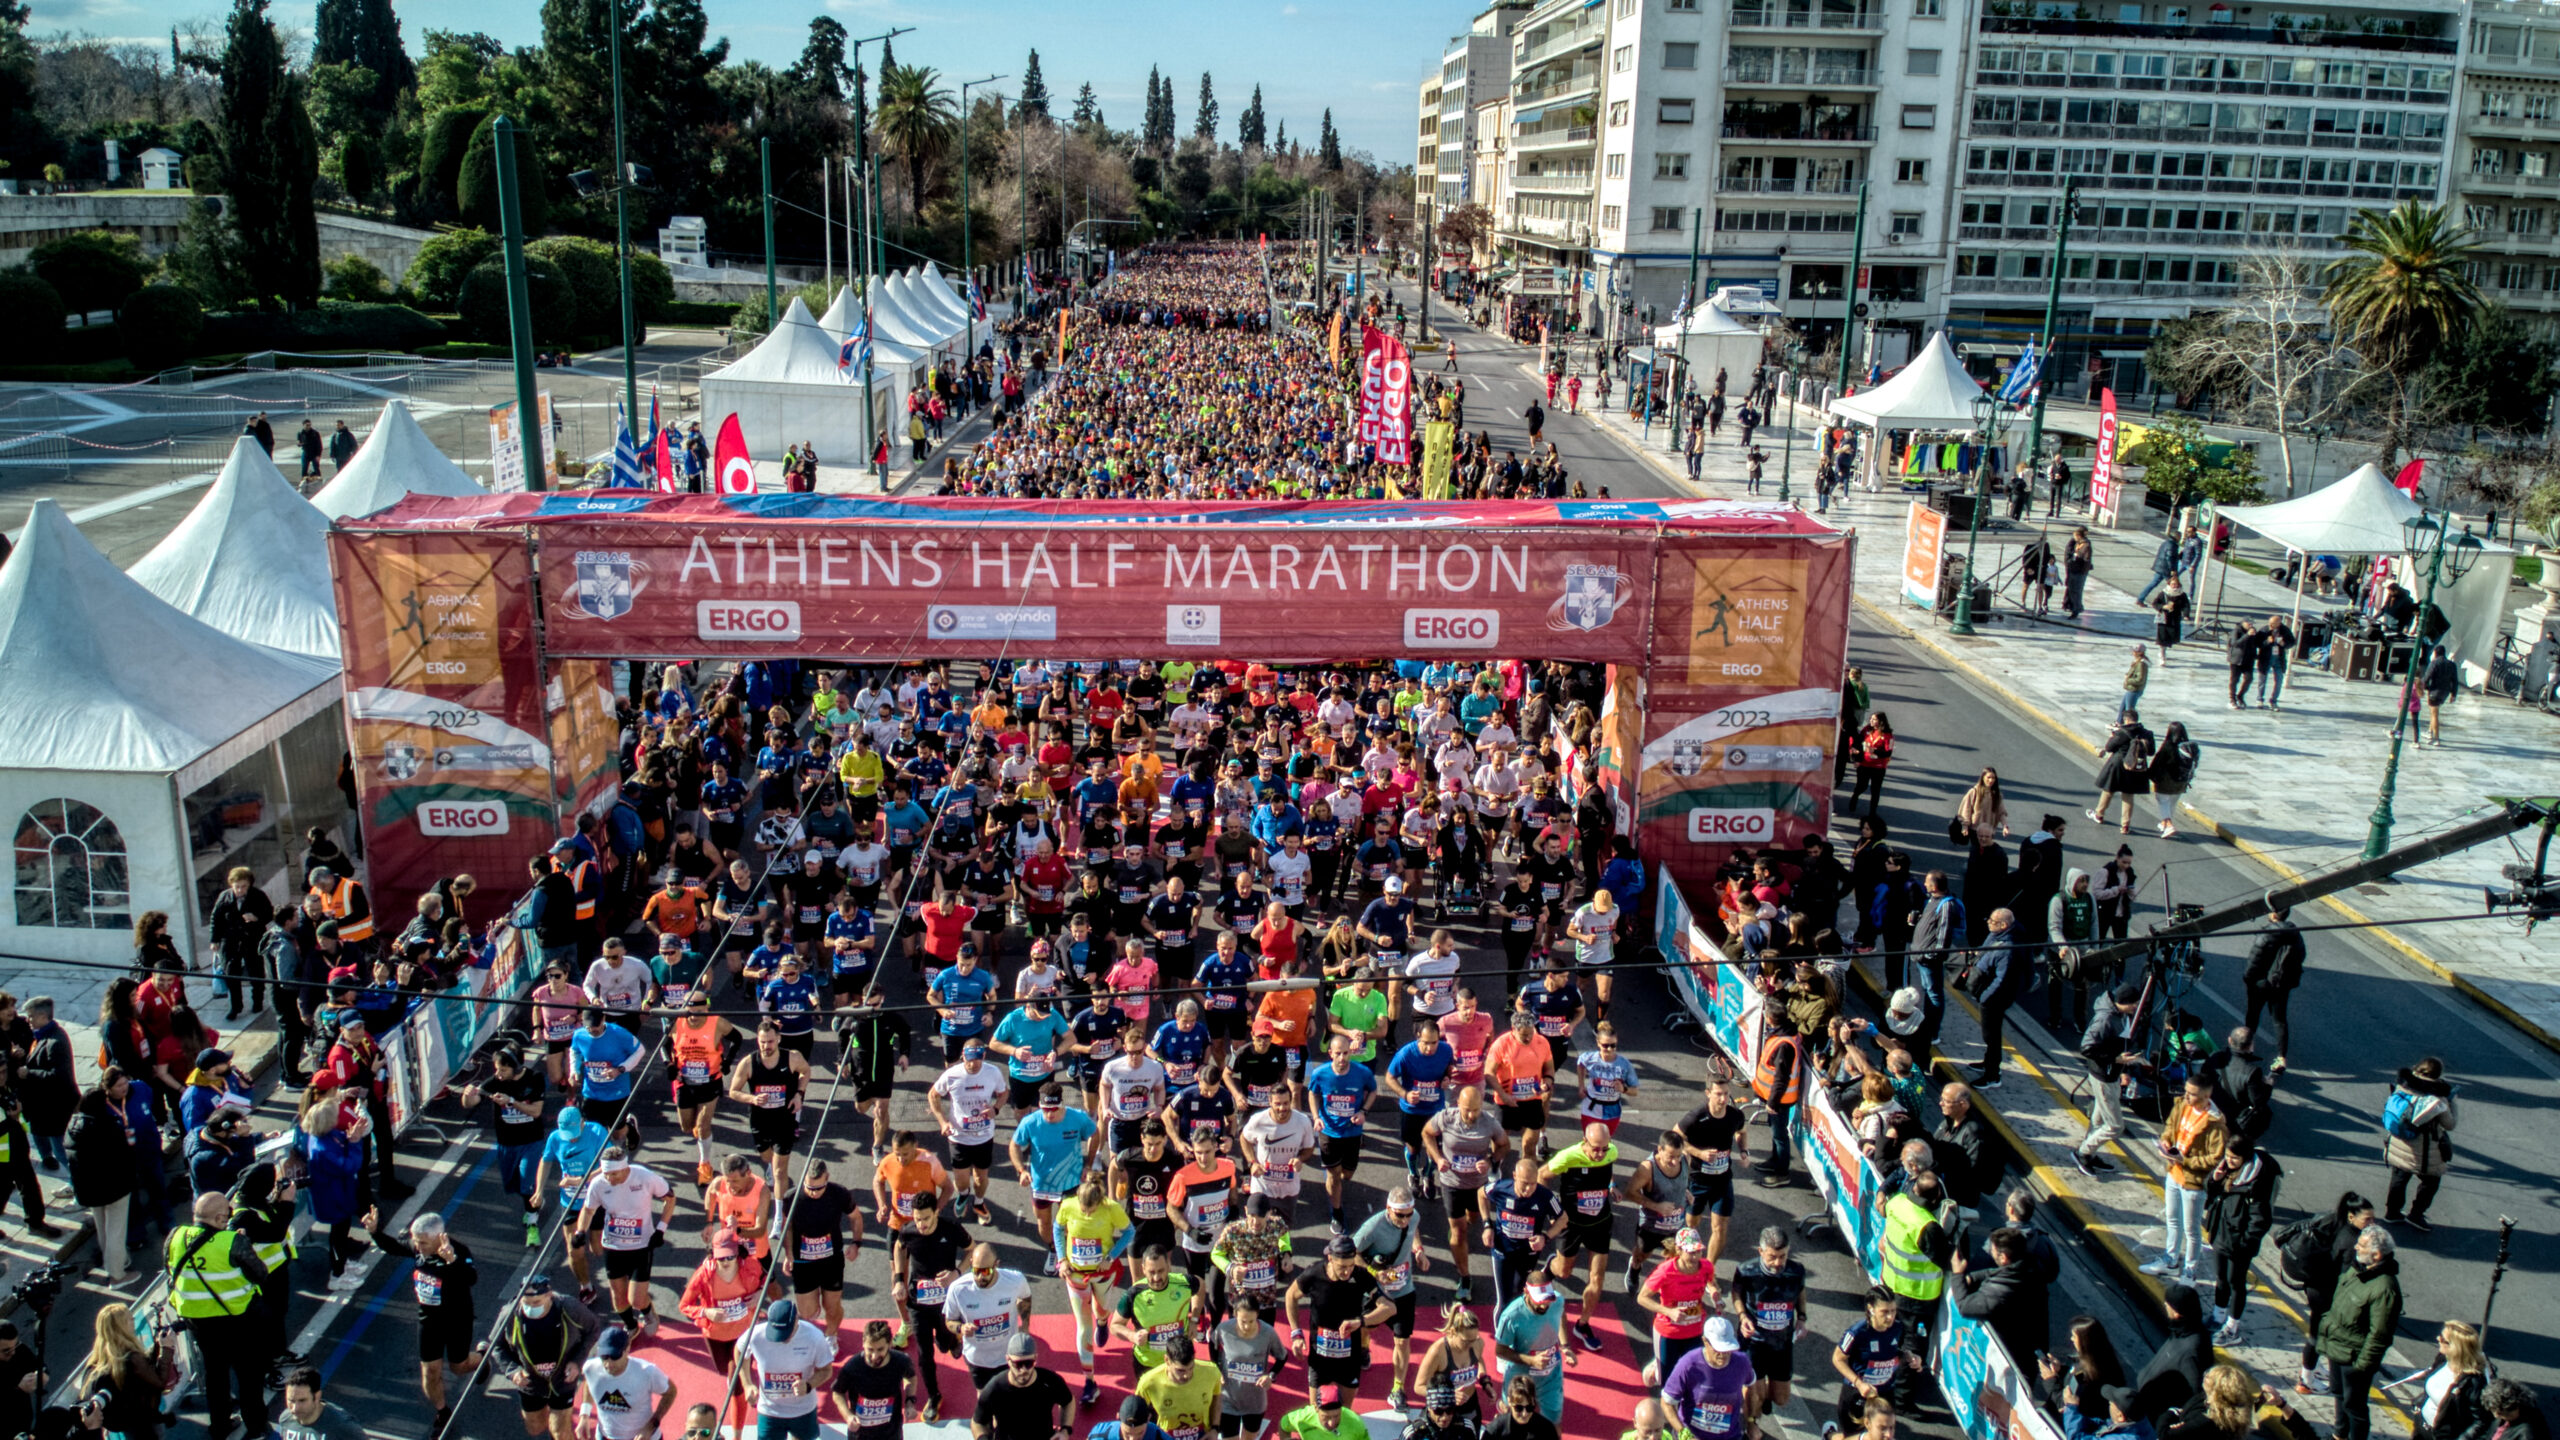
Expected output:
(1520, 1070)
(905, 1174)
(700, 1040)
(735, 1204)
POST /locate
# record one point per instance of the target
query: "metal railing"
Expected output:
(1823, 134)
(1561, 135)
(1749, 185)
(1742, 72)
(1775, 18)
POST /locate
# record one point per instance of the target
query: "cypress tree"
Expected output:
(268, 161)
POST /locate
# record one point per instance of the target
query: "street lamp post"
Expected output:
(1986, 421)
(2052, 330)
(622, 239)
(866, 165)
(2447, 557)
(967, 256)
(1787, 465)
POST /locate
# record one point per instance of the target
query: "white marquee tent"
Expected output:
(1711, 340)
(251, 560)
(896, 370)
(928, 290)
(396, 459)
(789, 389)
(897, 318)
(1933, 392)
(142, 751)
(2357, 514)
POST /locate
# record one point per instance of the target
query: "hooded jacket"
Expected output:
(2432, 1152)
(2062, 916)
(2243, 1205)
(2175, 1374)
(2363, 1315)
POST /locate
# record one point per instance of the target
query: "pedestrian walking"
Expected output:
(1715, 413)
(2192, 1140)
(2124, 769)
(2137, 678)
(2438, 683)
(2173, 769)
(2240, 1211)
(1875, 753)
(2418, 1120)
(2240, 654)
(306, 442)
(1759, 465)
(1749, 420)
(2079, 557)
(1536, 415)
(1694, 447)
(259, 430)
(2168, 561)
(1573, 394)
(2269, 979)
(342, 447)
(2108, 1052)
(2276, 640)
(2057, 477)
(2173, 607)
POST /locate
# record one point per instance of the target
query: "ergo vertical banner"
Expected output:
(1386, 396)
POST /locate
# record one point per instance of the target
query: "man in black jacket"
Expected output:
(2106, 1048)
(2010, 1297)
(2039, 878)
(2175, 1376)
(2271, 976)
(291, 953)
(239, 920)
(553, 911)
(1960, 1145)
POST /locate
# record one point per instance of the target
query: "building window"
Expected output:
(1611, 217)
(1617, 166)
(1906, 224)
(2487, 160)
(1919, 117)
(1670, 167)
(1668, 217)
(1982, 212)
(2537, 107)
(2511, 277)
(2495, 104)
(1617, 112)
(1925, 9)
(71, 869)
(1911, 172)
(1978, 264)
(1677, 112)
(2524, 220)
(1923, 62)
(1627, 9)
(1681, 7)
(2533, 162)
(1622, 59)
(1679, 55)
(1814, 282)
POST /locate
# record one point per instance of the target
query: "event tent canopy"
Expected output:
(933, 295)
(897, 318)
(789, 389)
(252, 560)
(886, 354)
(2358, 514)
(1711, 340)
(397, 459)
(1933, 392)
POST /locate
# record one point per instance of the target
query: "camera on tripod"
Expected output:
(42, 1287)
(2536, 894)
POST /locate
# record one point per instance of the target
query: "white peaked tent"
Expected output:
(955, 293)
(1711, 340)
(929, 291)
(141, 749)
(1931, 393)
(2357, 514)
(787, 390)
(897, 371)
(396, 459)
(896, 315)
(252, 560)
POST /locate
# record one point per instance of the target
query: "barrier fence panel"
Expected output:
(1989, 1393)
(439, 1037)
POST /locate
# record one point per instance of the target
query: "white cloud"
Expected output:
(1288, 9)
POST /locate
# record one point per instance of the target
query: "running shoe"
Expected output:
(1583, 1333)
(2228, 1334)
(1395, 1397)
(2311, 1382)
(905, 1333)
(1092, 1393)
(532, 1231)
(702, 1173)
(2095, 1165)
(1049, 1265)
(2419, 1224)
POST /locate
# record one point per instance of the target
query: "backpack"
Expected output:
(2395, 1116)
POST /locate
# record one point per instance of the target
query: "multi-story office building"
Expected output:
(1426, 147)
(1555, 118)
(2504, 168)
(1474, 68)
(2196, 136)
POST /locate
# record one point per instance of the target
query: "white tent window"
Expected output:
(71, 869)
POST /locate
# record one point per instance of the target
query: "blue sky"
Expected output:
(1362, 59)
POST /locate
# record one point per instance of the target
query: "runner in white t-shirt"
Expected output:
(628, 1397)
(616, 1207)
(985, 1307)
(1430, 983)
(964, 1099)
(1277, 1142)
(789, 1364)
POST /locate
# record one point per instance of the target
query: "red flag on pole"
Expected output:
(731, 463)
(2406, 482)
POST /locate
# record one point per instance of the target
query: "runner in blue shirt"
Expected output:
(1226, 1006)
(792, 998)
(1052, 1148)
(1095, 794)
(1030, 1039)
(602, 1055)
(1608, 1078)
(1419, 1076)
(570, 1151)
(1339, 1091)
(853, 943)
(1180, 1044)
(961, 992)
(907, 823)
(765, 961)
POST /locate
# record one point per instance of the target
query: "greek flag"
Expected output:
(627, 471)
(853, 361)
(2020, 385)
(977, 301)
(1681, 311)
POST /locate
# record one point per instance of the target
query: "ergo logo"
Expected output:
(462, 817)
(1732, 827)
(758, 620)
(1453, 629)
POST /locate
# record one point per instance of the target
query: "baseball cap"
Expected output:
(209, 1057)
(727, 1244)
(1265, 1027)
(1720, 1334)
(614, 1343)
(1690, 1241)
(781, 1319)
(1539, 1291)
(1395, 886)
(1022, 1347)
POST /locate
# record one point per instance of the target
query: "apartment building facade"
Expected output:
(1474, 68)
(2197, 135)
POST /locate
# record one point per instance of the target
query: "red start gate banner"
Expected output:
(1386, 396)
(479, 717)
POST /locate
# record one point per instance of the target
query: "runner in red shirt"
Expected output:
(946, 923)
(1103, 704)
(1043, 880)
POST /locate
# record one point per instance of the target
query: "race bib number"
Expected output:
(1258, 1096)
(623, 1232)
(1256, 1274)
(1341, 1107)
(1607, 1089)
(1711, 1418)
(1240, 1374)
(1129, 1102)
(1515, 1227)
(734, 1309)
(696, 1072)
(1183, 1072)
(786, 1382)
(1591, 1202)
(903, 1203)
(559, 1029)
(930, 1292)
(1085, 1252)
(1284, 1169)
(1774, 1318)
(430, 1287)
(772, 1097)
(964, 1017)
(1521, 923)
(1538, 1362)
(1524, 1087)
(599, 1072)
(1146, 1207)
(1717, 1163)
(1551, 892)
(1687, 1312)
(817, 1247)
(1332, 1346)
(991, 1327)
(869, 1413)
(1394, 1278)
(1466, 1166)
(1032, 1066)
(1221, 1000)
(1211, 1212)
(1426, 1092)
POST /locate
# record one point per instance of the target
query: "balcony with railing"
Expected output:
(1795, 122)
(2408, 37)
(2521, 127)
(1817, 187)
(1838, 19)
(1796, 72)
(1554, 137)
(1553, 181)
(1552, 88)
(1559, 39)
(2506, 184)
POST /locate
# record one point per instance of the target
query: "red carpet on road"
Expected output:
(1600, 1391)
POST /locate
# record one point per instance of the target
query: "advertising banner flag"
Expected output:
(2102, 470)
(1924, 548)
(730, 462)
(506, 448)
(1333, 341)
(1386, 396)
(1439, 442)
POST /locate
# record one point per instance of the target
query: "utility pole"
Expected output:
(519, 308)
(2052, 322)
(772, 312)
(1430, 217)
(1849, 292)
(622, 240)
(865, 200)
(1697, 222)
(968, 256)
(1022, 204)
(1324, 239)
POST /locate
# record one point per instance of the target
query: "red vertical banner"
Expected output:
(734, 468)
(2102, 470)
(1386, 396)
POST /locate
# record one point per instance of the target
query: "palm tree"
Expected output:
(2401, 293)
(916, 122)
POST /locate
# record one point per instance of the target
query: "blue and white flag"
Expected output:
(853, 361)
(977, 300)
(628, 473)
(2020, 385)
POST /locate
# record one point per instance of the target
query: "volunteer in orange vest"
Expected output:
(343, 900)
(1777, 1078)
(586, 879)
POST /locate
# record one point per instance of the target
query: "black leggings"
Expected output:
(2278, 1003)
(1870, 783)
(2231, 1280)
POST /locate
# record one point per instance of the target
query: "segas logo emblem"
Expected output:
(1453, 629)
(462, 817)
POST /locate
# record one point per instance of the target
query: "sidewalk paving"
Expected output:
(2293, 788)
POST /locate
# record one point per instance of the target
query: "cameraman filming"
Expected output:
(21, 1376)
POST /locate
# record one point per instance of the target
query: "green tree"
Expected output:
(1088, 114)
(821, 67)
(476, 189)
(1280, 137)
(1034, 103)
(484, 303)
(1157, 131)
(457, 70)
(447, 140)
(593, 277)
(1328, 144)
(34, 308)
(2178, 461)
(365, 33)
(91, 269)
(916, 123)
(268, 161)
(160, 325)
(444, 262)
(2495, 374)
(2400, 294)
(1250, 126)
(1204, 126)
(353, 277)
